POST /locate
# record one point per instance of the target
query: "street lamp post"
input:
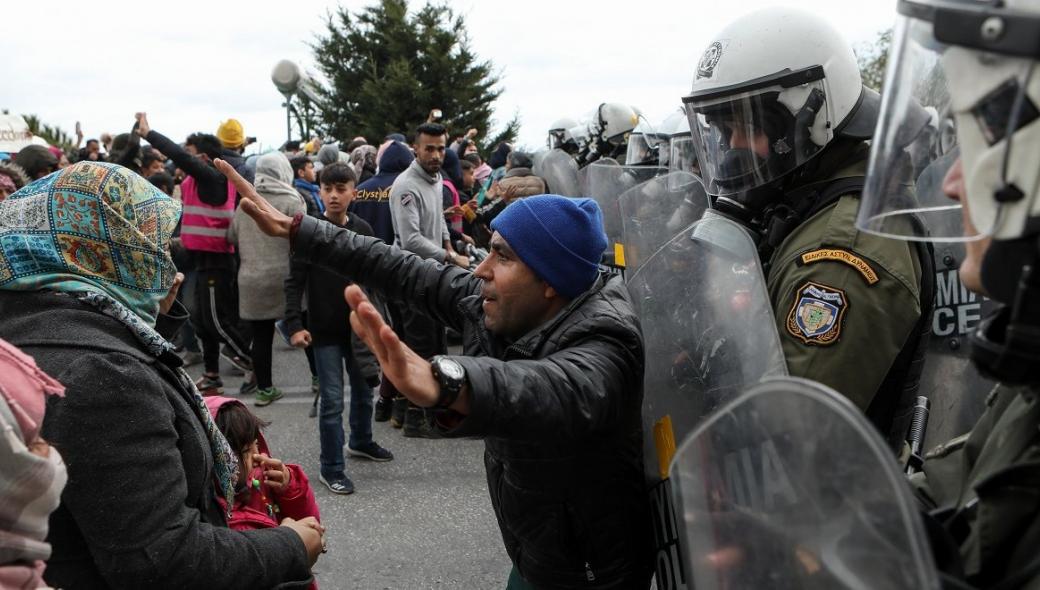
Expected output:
(286, 77)
(290, 80)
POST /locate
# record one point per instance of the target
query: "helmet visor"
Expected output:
(978, 101)
(683, 157)
(639, 151)
(749, 140)
(914, 146)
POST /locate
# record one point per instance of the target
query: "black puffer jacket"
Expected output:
(559, 410)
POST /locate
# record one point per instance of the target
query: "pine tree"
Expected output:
(387, 68)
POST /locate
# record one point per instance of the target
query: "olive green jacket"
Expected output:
(990, 481)
(874, 283)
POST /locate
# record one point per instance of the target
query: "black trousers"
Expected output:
(215, 316)
(421, 333)
(260, 352)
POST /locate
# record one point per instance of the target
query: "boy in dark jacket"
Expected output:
(328, 333)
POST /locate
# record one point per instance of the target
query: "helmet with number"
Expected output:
(975, 63)
(560, 135)
(771, 91)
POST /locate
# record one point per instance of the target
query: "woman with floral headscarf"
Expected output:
(86, 280)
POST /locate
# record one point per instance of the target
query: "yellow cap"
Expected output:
(231, 134)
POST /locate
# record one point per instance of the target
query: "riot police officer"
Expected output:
(779, 117)
(559, 136)
(976, 63)
(606, 132)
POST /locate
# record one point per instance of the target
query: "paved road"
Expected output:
(421, 521)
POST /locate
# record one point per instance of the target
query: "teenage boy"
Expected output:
(328, 333)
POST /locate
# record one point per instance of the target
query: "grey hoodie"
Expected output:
(416, 210)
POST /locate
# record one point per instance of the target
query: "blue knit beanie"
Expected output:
(560, 238)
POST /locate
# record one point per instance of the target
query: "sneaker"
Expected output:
(248, 386)
(244, 365)
(337, 484)
(384, 408)
(264, 397)
(208, 385)
(191, 357)
(417, 424)
(397, 413)
(371, 451)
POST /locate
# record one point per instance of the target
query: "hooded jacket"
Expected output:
(250, 511)
(265, 260)
(559, 410)
(372, 202)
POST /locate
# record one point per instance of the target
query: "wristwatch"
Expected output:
(451, 376)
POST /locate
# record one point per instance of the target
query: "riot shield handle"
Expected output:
(915, 436)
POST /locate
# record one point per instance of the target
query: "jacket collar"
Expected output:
(518, 172)
(417, 170)
(301, 183)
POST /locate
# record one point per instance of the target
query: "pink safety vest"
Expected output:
(204, 227)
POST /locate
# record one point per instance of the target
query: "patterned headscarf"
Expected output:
(363, 156)
(101, 233)
(90, 227)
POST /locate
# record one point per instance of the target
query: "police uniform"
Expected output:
(984, 488)
(848, 304)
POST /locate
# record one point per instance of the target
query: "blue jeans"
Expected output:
(330, 360)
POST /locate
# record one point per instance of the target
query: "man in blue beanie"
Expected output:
(551, 377)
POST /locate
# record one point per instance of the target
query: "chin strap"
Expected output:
(1006, 345)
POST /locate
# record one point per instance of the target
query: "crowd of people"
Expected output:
(132, 260)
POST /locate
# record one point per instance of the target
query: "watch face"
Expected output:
(451, 369)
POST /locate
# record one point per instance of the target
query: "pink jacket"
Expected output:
(250, 510)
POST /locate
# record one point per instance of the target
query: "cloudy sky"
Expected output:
(191, 64)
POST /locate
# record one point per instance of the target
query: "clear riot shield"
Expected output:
(654, 211)
(560, 172)
(605, 181)
(708, 334)
(790, 487)
(949, 379)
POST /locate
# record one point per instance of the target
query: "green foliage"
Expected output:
(873, 59)
(387, 68)
(53, 135)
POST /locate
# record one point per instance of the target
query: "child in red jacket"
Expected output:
(267, 490)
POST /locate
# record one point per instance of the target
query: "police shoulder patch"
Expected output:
(817, 314)
(843, 256)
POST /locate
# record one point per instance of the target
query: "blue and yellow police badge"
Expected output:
(817, 314)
